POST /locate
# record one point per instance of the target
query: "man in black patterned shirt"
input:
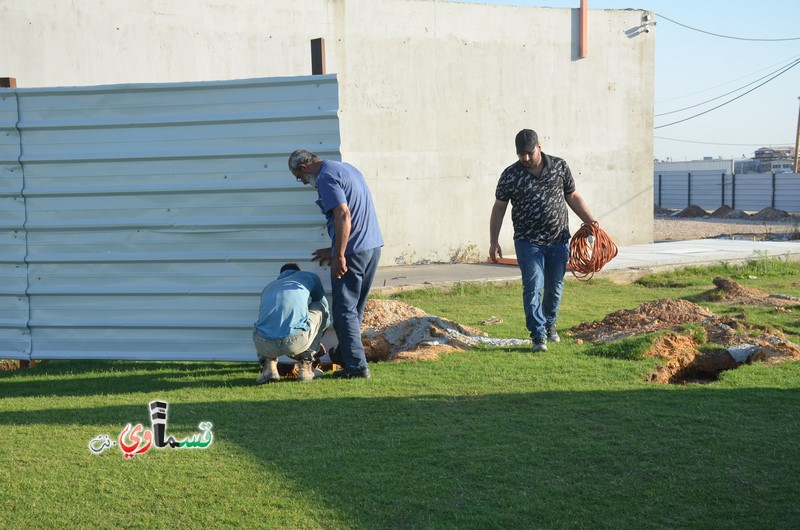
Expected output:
(539, 187)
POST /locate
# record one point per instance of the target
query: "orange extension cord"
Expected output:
(587, 256)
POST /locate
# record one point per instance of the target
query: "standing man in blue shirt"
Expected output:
(356, 239)
(292, 318)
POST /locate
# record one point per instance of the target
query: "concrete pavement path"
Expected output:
(631, 262)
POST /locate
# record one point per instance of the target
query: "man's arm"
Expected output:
(341, 226)
(577, 205)
(495, 223)
(317, 290)
(318, 293)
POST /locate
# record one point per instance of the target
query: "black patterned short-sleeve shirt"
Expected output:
(538, 208)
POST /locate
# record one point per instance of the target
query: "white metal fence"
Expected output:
(142, 221)
(712, 189)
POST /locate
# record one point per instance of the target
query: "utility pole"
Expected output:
(797, 144)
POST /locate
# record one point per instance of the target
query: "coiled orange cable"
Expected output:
(589, 251)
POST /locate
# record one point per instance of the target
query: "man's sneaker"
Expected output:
(305, 372)
(351, 374)
(539, 345)
(270, 372)
(552, 334)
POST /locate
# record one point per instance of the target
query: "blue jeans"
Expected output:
(543, 269)
(349, 295)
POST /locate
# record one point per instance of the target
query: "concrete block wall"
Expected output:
(431, 92)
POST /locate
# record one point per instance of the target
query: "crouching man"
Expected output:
(292, 318)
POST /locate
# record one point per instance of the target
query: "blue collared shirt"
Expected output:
(284, 304)
(341, 183)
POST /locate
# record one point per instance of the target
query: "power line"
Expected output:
(762, 144)
(724, 36)
(727, 82)
(728, 93)
(732, 99)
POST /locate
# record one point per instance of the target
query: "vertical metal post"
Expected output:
(317, 56)
(733, 191)
(659, 191)
(773, 190)
(689, 191)
(722, 195)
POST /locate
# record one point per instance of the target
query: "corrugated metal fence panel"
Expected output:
(157, 213)
(671, 189)
(707, 189)
(787, 192)
(15, 342)
(753, 192)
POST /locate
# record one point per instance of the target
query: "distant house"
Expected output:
(764, 160)
(774, 153)
(778, 166)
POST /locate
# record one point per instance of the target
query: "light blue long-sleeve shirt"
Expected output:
(284, 304)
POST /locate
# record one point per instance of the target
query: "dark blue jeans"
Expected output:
(543, 269)
(349, 297)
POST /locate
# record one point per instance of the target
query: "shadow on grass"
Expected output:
(121, 377)
(544, 459)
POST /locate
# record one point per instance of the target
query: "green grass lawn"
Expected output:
(490, 438)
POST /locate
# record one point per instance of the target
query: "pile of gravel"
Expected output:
(691, 211)
(721, 212)
(737, 214)
(771, 214)
(726, 212)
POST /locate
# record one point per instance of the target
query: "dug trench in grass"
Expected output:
(694, 344)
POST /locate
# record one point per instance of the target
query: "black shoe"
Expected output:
(335, 356)
(351, 374)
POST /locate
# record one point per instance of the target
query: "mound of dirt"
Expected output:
(6, 364)
(686, 360)
(648, 317)
(393, 330)
(692, 211)
(770, 214)
(737, 214)
(732, 293)
(721, 212)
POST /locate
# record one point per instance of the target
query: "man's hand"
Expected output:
(323, 255)
(339, 267)
(495, 223)
(495, 252)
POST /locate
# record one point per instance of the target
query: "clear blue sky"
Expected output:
(693, 67)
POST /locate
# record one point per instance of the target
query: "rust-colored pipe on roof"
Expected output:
(584, 29)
